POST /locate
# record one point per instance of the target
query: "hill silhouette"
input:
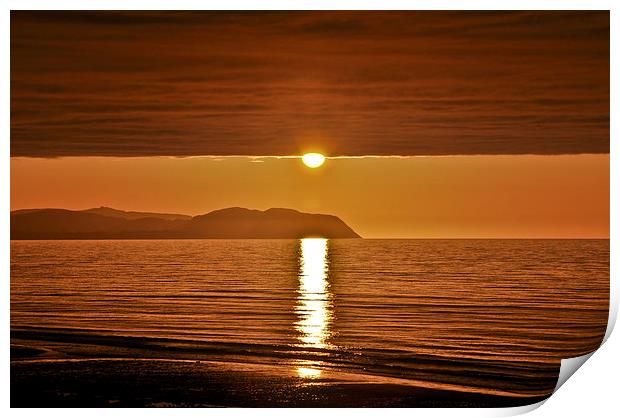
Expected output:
(108, 223)
(115, 213)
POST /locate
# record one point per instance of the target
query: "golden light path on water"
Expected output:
(314, 307)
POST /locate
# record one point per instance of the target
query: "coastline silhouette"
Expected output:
(231, 223)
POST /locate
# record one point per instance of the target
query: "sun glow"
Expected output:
(313, 159)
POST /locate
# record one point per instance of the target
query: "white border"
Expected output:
(592, 391)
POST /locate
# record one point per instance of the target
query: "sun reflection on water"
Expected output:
(314, 308)
(308, 372)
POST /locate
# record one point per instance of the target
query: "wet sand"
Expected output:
(164, 383)
(106, 371)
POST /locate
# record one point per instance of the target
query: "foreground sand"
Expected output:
(92, 372)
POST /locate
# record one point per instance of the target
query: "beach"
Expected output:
(47, 371)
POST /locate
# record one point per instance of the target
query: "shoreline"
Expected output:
(62, 368)
(178, 383)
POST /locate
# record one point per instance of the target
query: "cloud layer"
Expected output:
(281, 83)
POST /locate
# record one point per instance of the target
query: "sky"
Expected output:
(415, 197)
(500, 120)
(279, 83)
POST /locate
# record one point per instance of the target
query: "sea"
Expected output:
(479, 316)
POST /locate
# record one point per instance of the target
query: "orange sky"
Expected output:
(448, 197)
(510, 108)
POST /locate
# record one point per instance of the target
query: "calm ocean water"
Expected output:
(481, 315)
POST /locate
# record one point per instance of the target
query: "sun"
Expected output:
(313, 159)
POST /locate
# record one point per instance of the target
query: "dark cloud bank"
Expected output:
(349, 83)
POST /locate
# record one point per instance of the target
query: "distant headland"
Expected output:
(236, 222)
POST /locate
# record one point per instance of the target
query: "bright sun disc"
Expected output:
(313, 159)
